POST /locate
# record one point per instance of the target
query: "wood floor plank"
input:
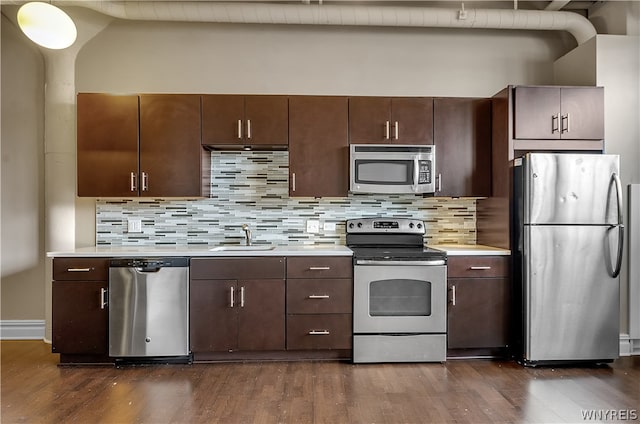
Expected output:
(34, 389)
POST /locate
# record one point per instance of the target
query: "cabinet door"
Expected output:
(170, 148)
(412, 120)
(479, 317)
(213, 317)
(80, 321)
(222, 119)
(462, 135)
(107, 145)
(318, 146)
(369, 120)
(582, 113)
(261, 316)
(537, 112)
(266, 120)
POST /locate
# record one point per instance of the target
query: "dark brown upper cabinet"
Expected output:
(237, 120)
(147, 145)
(318, 146)
(568, 113)
(107, 145)
(462, 136)
(399, 120)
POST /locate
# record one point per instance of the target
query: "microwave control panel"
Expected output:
(424, 172)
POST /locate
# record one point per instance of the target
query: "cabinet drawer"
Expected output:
(319, 267)
(332, 331)
(246, 268)
(81, 269)
(477, 266)
(318, 296)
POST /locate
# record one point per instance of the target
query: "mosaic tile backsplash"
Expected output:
(253, 188)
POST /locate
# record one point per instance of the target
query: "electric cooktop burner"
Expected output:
(389, 239)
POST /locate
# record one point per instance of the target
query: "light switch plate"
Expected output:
(329, 226)
(134, 225)
(313, 226)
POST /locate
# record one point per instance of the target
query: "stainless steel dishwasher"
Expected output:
(149, 309)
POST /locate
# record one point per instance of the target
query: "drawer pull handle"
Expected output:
(318, 296)
(319, 268)
(479, 268)
(319, 333)
(79, 269)
(453, 297)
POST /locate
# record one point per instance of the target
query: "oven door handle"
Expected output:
(420, 263)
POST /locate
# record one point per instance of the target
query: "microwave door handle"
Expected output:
(416, 174)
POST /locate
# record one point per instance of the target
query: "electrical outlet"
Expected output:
(329, 226)
(134, 225)
(313, 226)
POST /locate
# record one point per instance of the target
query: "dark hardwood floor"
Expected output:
(36, 390)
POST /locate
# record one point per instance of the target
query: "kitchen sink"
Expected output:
(241, 248)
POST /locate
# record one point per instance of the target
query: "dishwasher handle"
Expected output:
(148, 269)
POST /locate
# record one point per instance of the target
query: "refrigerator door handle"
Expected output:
(620, 225)
(615, 181)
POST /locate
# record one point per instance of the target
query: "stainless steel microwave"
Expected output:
(392, 169)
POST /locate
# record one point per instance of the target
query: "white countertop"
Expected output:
(470, 250)
(295, 250)
(199, 250)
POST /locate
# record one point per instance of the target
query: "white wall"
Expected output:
(233, 58)
(22, 139)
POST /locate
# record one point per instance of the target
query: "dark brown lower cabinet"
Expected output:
(320, 305)
(237, 305)
(479, 304)
(229, 315)
(80, 316)
(479, 318)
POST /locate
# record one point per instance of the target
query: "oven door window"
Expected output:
(400, 297)
(388, 172)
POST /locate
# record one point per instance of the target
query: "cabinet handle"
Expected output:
(79, 269)
(554, 123)
(318, 296)
(319, 333)
(439, 188)
(232, 300)
(564, 128)
(103, 300)
(386, 130)
(293, 183)
(396, 130)
(248, 128)
(239, 129)
(242, 297)
(479, 268)
(145, 181)
(319, 268)
(453, 295)
(132, 182)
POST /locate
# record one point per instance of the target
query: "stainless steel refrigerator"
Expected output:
(568, 237)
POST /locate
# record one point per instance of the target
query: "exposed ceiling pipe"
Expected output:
(557, 5)
(358, 15)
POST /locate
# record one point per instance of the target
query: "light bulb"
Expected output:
(46, 25)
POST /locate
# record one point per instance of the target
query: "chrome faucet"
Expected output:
(247, 234)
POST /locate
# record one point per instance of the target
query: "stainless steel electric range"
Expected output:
(400, 292)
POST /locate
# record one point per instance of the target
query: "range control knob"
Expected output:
(351, 225)
(419, 225)
(411, 225)
(359, 224)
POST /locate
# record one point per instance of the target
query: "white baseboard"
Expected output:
(27, 329)
(629, 346)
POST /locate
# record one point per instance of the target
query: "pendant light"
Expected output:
(47, 25)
